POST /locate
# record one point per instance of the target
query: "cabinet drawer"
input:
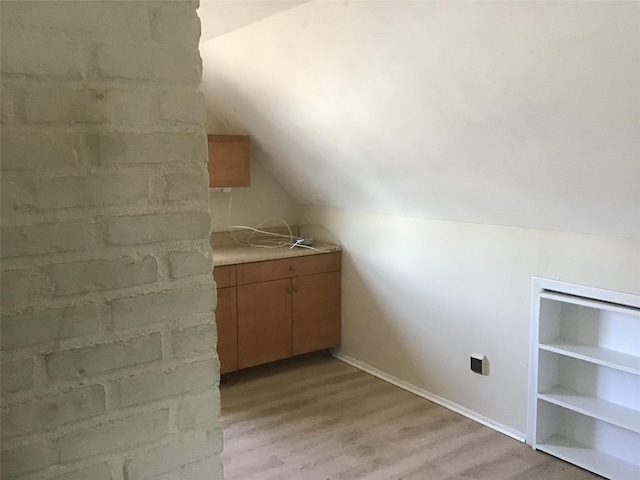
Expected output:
(288, 267)
(225, 276)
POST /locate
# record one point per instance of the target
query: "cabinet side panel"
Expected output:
(225, 276)
(227, 329)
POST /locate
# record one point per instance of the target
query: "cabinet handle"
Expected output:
(289, 290)
(295, 289)
(292, 268)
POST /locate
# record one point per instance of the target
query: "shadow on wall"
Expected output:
(370, 316)
(267, 127)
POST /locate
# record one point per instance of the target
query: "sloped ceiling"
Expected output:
(509, 113)
(218, 17)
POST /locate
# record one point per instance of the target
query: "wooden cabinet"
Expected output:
(228, 160)
(226, 318)
(264, 322)
(284, 307)
(585, 377)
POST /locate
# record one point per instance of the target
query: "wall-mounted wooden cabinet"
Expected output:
(282, 308)
(228, 160)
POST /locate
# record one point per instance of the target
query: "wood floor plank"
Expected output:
(317, 418)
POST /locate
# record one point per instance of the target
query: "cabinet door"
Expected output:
(316, 312)
(226, 321)
(264, 322)
(228, 160)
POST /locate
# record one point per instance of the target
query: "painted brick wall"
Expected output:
(109, 369)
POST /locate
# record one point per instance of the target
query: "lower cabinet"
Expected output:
(264, 322)
(283, 307)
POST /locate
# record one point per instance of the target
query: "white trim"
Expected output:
(510, 432)
(624, 299)
(533, 362)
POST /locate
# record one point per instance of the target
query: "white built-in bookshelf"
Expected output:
(584, 395)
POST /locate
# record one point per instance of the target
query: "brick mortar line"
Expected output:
(60, 387)
(106, 171)
(44, 260)
(104, 213)
(102, 337)
(164, 286)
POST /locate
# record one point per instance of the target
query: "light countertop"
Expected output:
(227, 252)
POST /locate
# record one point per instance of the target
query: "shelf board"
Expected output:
(601, 356)
(590, 432)
(593, 407)
(589, 458)
(592, 303)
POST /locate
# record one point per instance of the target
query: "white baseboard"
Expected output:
(431, 397)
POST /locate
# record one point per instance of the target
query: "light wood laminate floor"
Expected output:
(317, 418)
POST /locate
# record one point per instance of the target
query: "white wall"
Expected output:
(253, 205)
(250, 206)
(419, 296)
(509, 113)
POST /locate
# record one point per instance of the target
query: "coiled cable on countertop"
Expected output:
(259, 238)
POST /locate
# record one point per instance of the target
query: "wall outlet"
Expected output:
(479, 363)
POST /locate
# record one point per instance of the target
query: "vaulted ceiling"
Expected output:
(509, 113)
(218, 17)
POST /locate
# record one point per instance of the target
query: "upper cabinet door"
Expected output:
(228, 161)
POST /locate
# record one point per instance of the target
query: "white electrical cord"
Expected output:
(265, 239)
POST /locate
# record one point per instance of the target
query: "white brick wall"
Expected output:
(109, 369)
